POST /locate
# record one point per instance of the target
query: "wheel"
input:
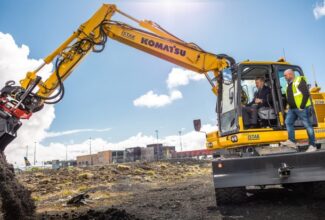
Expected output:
(298, 187)
(318, 190)
(305, 188)
(230, 195)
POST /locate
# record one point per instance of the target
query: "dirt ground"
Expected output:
(160, 190)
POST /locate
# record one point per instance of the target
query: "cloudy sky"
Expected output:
(121, 96)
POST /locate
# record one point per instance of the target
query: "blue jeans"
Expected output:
(304, 116)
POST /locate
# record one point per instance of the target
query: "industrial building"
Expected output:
(132, 154)
(193, 154)
(168, 152)
(101, 158)
(147, 154)
(118, 156)
(150, 153)
(158, 150)
(57, 164)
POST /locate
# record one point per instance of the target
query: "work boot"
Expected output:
(289, 143)
(311, 148)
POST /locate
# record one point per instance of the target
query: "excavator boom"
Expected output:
(19, 102)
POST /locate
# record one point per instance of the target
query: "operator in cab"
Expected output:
(298, 99)
(260, 99)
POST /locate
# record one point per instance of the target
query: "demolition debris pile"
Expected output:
(16, 202)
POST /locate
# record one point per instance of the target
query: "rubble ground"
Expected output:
(157, 190)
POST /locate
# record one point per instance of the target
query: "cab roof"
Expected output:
(281, 61)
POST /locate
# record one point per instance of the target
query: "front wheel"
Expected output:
(318, 190)
(230, 195)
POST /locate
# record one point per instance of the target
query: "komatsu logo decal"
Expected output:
(163, 47)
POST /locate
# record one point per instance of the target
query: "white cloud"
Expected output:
(151, 99)
(75, 131)
(319, 10)
(177, 77)
(180, 77)
(14, 64)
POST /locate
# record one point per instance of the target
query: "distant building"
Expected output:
(118, 156)
(103, 158)
(192, 153)
(168, 152)
(86, 160)
(56, 164)
(132, 154)
(158, 150)
(147, 154)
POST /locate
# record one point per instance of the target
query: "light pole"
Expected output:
(157, 135)
(27, 151)
(180, 140)
(35, 152)
(91, 158)
(66, 152)
(157, 148)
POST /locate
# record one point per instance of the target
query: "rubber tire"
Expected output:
(318, 190)
(232, 195)
(303, 188)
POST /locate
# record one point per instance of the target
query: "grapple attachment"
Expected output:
(16, 103)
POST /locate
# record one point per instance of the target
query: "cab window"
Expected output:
(283, 81)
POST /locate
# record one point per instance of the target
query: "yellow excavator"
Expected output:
(244, 156)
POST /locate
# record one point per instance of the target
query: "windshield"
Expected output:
(249, 89)
(227, 102)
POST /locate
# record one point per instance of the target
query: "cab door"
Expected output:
(282, 85)
(227, 108)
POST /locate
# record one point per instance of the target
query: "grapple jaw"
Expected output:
(16, 103)
(8, 129)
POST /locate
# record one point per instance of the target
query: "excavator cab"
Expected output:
(236, 90)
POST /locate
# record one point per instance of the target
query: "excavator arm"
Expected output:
(19, 102)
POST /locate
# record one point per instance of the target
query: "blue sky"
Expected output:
(101, 91)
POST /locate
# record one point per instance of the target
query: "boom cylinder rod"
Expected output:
(49, 58)
(209, 79)
(128, 16)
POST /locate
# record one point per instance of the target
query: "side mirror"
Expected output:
(197, 125)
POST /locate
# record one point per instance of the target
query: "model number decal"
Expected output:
(252, 137)
(319, 101)
(128, 35)
(209, 145)
(319, 130)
